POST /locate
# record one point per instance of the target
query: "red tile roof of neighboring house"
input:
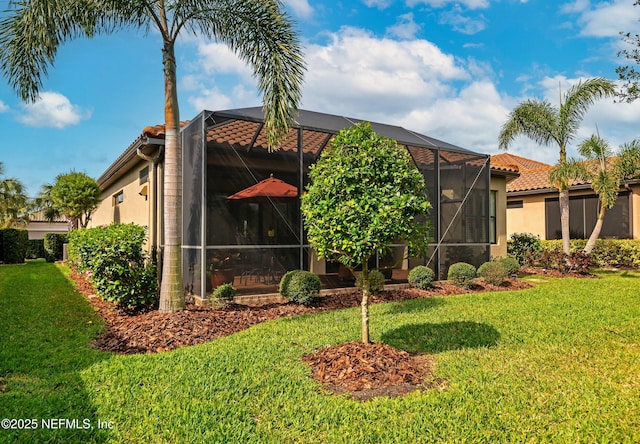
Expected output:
(534, 175)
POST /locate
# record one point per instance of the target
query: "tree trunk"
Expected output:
(595, 234)
(365, 302)
(564, 220)
(171, 292)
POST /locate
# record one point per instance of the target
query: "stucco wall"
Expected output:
(38, 229)
(499, 184)
(528, 219)
(635, 211)
(531, 217)
(134, 206)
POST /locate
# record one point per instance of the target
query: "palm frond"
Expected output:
(264, 37)
(32, 31)
(567, 173)
(537, 120)
(627, 164)
(577, 101)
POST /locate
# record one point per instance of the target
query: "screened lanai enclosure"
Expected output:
(241, 209)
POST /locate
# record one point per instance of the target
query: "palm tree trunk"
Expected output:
(595, 234)
(365, 302)
(564, 220)
(171, 292)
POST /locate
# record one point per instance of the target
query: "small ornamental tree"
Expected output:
(364, 194)
(76, 195)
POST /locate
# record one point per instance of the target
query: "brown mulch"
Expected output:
(365, 370)
(369, 370)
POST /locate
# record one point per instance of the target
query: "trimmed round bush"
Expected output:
(421, 277)
(303, 287)
(462, 274)
(376, 281)
(510, 264)
(225, 292)
(284, 283)
(493, 273)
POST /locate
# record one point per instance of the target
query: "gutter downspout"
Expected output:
(154, 232)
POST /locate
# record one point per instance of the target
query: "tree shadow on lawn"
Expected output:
(436, 338)
(414, 305)
(47, 331)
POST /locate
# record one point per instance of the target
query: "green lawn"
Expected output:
(556, 363)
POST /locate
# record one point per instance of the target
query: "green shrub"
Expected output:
(117, 265)
(606, 253)
(421, 277)
(510, 264)
(376, 281)
(493, 273)
(15, 244)
(225, 292)
(53, 246)
(303, 287)
(35, 249)
(525, 247)
(462, 274)
(283, 289)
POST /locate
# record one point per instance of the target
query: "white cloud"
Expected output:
(605, 19)
(52, 110)
(380, 4)
(357, 71)
(301, 8)
(471, 4)
(405, 27)
(462, 23)
(3, 107)
(215, 58)
(214, 99)
(408, 83)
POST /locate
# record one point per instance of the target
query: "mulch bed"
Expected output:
(364, 370)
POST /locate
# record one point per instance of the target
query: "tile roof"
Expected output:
(534, 175)
(511, 161)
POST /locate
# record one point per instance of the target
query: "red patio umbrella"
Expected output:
(267, 188)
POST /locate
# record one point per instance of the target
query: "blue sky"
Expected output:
(449, 69)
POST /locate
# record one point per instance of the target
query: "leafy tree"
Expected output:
(547, 125)
(257, 30)
(364, 194)
(76, 195)
(627, 73)
(13, 202)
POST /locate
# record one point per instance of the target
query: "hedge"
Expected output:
(606, 253)
(35, 248)
(113, 258)
(53, 246)
(14, 244)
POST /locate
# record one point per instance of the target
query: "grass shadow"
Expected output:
(44, 345)
(436, 338)
(624, 273)
(414, 305)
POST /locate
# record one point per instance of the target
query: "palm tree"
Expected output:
(13, 202)
(44, 203)
(606, 175)
(258, 31)
(547, 125)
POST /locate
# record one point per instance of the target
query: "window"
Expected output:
(144, 175)
(493, 197)
(118, 198)
(583, 214)
(514, 204)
